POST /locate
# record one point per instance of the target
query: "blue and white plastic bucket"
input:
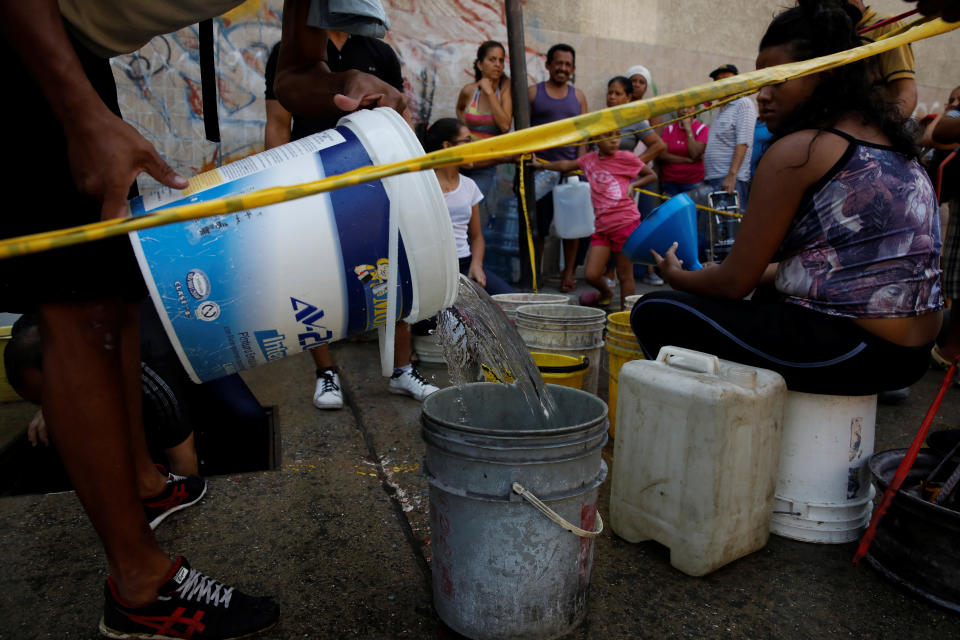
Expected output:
(236, 291)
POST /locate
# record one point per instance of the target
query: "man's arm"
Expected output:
(306, 86)
(745, 119)
(655, 146)
(105, 153)
(950, 8)
(729, 183)
(903, 93)
(947, 130)
(277, 131)
(582, 99)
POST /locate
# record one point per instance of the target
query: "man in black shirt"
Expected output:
(344, 53)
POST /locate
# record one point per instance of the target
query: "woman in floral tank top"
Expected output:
(839, 244)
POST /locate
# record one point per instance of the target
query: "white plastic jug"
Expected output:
(695, 457)
(572, 210)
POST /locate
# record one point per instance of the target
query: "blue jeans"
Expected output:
(486, 180)
(673, 188)
(495, 284)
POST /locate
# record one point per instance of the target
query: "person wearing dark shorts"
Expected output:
(76, 160)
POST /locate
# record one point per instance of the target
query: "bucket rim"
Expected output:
(587, 397)
(878, 459)
(538, 311)
(582, 365)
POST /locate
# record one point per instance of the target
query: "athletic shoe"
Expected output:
(189, 605)
(653, 280)
(409, 382)
(180, 493)
(327, 394)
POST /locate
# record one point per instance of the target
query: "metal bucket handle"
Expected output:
(556, 517)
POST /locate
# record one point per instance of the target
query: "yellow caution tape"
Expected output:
(553, 134)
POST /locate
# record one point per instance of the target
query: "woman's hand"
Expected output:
(668, 264)
(37, 431)
(486, 86)
(476, 274)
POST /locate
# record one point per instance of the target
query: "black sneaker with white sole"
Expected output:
(180, 493)
(189, 605)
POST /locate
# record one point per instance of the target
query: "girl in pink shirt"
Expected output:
(612, 175)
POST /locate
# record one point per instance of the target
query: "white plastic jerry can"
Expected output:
(695, 458)
(572, 209)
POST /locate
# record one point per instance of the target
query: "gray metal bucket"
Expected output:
(502, 569)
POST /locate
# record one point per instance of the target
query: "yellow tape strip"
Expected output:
(698, 206)
(559, 133)
(526, 218)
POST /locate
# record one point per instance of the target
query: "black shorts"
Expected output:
(813, 351)
(41, 196)
(544, 215)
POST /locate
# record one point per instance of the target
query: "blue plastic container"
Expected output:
(673, 221)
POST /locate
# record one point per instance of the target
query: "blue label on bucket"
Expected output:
(242, 289)
(366, 272)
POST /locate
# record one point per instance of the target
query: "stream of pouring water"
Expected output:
(475, 332)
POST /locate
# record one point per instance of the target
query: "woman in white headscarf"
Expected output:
(646, 143)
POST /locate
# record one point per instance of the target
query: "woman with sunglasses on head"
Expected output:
(841, 236)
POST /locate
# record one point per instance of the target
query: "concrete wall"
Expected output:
(680, 41)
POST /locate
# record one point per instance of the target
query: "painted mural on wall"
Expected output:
(159, 85)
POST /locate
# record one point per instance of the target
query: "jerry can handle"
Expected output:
(689, 359)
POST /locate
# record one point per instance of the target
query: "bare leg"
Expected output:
(625, 276)
(569, 259)
(183, 458)
(597, 259)
(950, 348)
(402, 345)
(321, 356)
(150, 481)
(90, 408)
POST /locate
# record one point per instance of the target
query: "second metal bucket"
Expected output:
(513, 510)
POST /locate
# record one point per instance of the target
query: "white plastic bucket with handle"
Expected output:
(236, 291)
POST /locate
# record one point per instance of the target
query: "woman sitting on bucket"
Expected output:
(842, 223)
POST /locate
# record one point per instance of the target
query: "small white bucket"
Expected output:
(236, 291)
(629, 301)
(510, 302)
(824, 493)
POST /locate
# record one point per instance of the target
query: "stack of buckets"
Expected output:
(622, 347)
(510, 302)
(563, 371)
(565, 330)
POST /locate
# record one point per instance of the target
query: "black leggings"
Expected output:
(814, 352)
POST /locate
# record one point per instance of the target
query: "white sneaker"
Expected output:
(653, 279)
(411, 383)
(328, 395)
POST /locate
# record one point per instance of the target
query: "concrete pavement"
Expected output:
(339, 535)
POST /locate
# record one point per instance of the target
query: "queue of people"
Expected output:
(863, 319)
